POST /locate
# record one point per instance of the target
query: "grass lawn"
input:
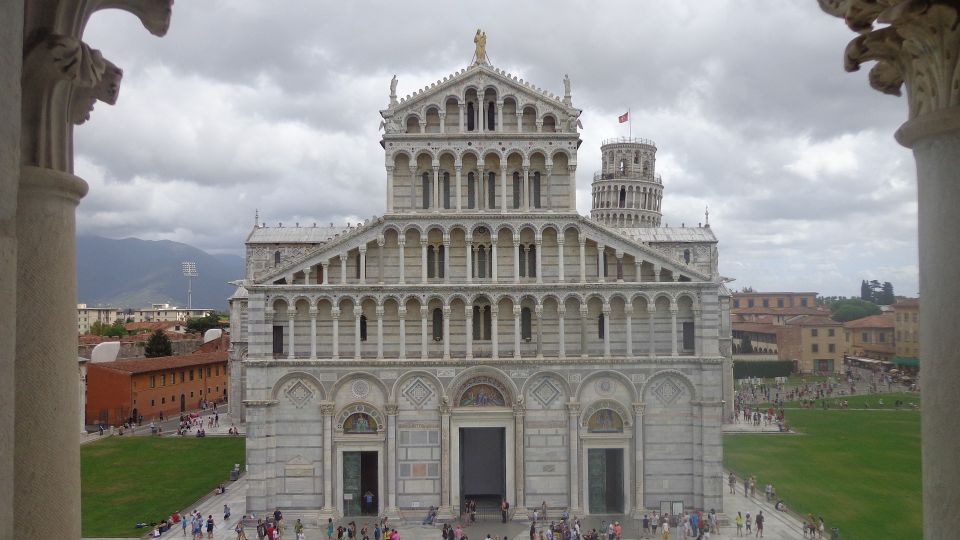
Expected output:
(858, 469)
(125, 480)
(864, 401)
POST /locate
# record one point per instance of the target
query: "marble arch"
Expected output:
(431, 378)
(307, 378)
(608, 373)
(464, 378)
(661, 373)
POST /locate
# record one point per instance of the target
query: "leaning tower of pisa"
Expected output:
(627, 191)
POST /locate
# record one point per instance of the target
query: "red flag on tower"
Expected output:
(624, 117)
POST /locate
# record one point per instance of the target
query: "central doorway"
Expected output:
(361, 495)
(605, 480)
(483, 467)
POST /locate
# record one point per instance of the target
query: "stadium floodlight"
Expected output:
(189, 272)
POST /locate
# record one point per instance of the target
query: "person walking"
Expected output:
(239, 530)
(739, 522)
(183, 524)
(759, 532)
(732, 480)
(748, 524)
(298, 529)
(504, 510)
(209, 525)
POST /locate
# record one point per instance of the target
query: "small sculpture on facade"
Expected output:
(480, 55)
(566, 85)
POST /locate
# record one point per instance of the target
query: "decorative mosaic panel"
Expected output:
(360, 388)
(418, 392)
(667, 391)
(546, 392)
(299, 393)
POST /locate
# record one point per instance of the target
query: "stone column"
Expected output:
(446, 506)
(435, 196)
(539, 257)
(45, 442)
(424, 311)
(327, 409)
(379, 332)
(572, 171)
(519, 121)
(291, 321)
(414, 203)
(606, 330)
(918, 46)
(547, 187)
(446, 332)
(356, 333)
(326, 273)
(600, 273)
(391, 473)
(503, 189)
(493, 257)
(561, 312)
(583, 330)
(443, 121)
(363, 264)
(458, 169)
(423, 126)
(389, 188)
(468, 311)
(673, 329)
(638, 270)
(629, 329)
(619, 266)
(494, 332)
(423, 260)
(525, 190)
(651, 314)
(516, 331)
(313, 332)
(538, 311)
(402, 315)
(335, 315)
(518, 461)
(401, 258)
(516, 260)
(697, 331)
(573, 422)
(444, 261)
(638, 459)
(462, 108)
(380, 254)
(656, 272)
(560, 263)
(500, 115)
(583, 260)
(343, 268)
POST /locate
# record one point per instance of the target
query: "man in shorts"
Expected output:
(759, 532)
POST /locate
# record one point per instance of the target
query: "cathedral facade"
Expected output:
(482, 340)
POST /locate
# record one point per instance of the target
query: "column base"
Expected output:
(393, 514)
(328, 513)
(446, 513)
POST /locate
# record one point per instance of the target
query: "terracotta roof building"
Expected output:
(871, 337)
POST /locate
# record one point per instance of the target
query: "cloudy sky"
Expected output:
(273, 105)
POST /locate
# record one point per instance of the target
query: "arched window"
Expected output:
(491, 190)
(686, 256)
(431, 262)
(442, 262)
(446, 190)
(437, 324)
(522, 257)
(491, 117)
(532, 260)
(477, 323)
(471, 191)
(363, 328)
(623, 197)
(536, 189)
(487, 324)
(276, 258)
(481, 262)
(516, 190)
(600, 331)
(526, 324)
(471, 113)
(425, 182)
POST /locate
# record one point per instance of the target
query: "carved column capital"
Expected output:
(392, 409)
(573, 408)
(918, 47)
(327, 408)
(638, 408)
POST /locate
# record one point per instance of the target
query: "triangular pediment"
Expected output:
(593, 231)
(478, 75)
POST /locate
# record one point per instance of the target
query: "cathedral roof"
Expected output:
(669, 234)
(294, 235)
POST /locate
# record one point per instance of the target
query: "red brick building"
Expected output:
(121, 389)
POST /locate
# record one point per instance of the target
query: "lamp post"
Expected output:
(189, 272)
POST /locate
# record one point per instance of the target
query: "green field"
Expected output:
(859, 469)
(862, 401)
(125, 480)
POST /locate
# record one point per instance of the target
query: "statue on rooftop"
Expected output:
(480, 55)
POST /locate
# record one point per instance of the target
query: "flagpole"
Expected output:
(630, 117)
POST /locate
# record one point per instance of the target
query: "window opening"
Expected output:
(437, 324)
(446, 190)
(363, 328)
(516, 190)
(471, 123)
(425, 182)
(536, 189)
(600, 326)
(522, 254)
(471, 191)
(526, 324)
(491, 190)
(491, 117)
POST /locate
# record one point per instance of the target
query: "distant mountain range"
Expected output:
(135, 273)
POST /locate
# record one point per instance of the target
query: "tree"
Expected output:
(886, 296)
(852, 309)
(746, 346)
(747, 289)
(98, 328)
(865, 292)
(158, 345)
(115, 330)
(199, 325)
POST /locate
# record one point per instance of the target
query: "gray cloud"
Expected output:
(275, 105)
